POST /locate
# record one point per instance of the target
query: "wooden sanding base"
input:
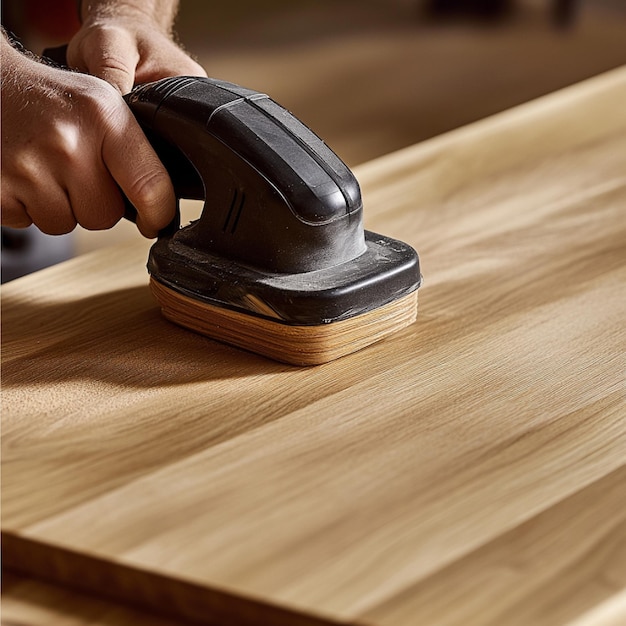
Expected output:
(297, 345)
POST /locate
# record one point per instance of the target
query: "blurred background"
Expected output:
(373, 76)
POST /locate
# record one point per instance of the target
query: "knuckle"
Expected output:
(24, 166)
(97, 205)
(104, 101)
(112, 62)
(151, 188)
(94, 97)
(67, 146)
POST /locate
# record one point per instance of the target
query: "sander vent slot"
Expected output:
(234, 212)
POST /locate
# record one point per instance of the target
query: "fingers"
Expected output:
(94, 197)
(89, 145)
(108, 52)
(124, 52)
(136, 168)
(32, 192)
(122, 159)
(128, 52)
(13, 211)
(46, 205)
(65, 166)
(52, 212)
(166, 59)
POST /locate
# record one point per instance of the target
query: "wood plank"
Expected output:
(333, 492)
(29, 602)
(534, 573)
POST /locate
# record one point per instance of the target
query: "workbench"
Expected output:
(468, 470)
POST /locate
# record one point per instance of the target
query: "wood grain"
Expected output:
(466, 470)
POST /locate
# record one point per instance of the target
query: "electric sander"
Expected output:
(278, 262)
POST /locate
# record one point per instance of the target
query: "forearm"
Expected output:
(160, 12)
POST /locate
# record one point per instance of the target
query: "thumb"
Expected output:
(110, 53)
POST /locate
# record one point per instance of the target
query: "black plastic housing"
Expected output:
(281, 232)
(388, 270)
(275, 195)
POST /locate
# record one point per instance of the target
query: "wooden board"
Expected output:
(467, 470)
(28, 602)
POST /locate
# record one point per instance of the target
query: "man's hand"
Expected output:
(69, 142)
(129, 42)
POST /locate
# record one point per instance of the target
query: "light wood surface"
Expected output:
(466, 470)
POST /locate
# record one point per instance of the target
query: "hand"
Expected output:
(69, 142)
(126, 48)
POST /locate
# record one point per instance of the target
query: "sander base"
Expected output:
(292, 344)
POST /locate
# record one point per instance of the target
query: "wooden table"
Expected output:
(468, 470)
